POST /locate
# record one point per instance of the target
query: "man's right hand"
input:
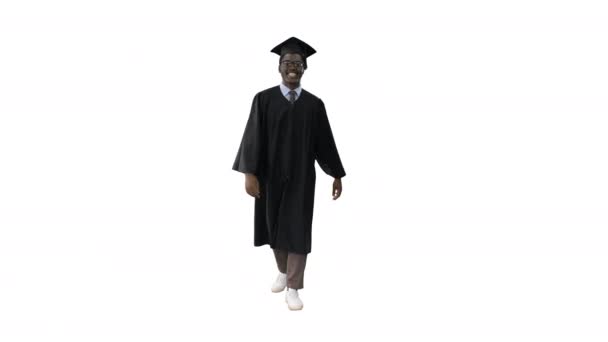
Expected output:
(252, 186)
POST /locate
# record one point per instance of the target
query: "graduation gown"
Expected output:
(280, 145)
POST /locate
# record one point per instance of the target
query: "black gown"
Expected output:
(280, 145)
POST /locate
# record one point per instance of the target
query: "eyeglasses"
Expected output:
(290, 63)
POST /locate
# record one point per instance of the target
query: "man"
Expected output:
(286, 132)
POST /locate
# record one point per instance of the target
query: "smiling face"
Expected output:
(291, 67)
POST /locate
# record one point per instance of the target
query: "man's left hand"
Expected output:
(337, 188)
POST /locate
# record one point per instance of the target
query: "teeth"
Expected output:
(292, 74)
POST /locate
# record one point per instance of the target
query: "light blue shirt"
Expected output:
(285, 90)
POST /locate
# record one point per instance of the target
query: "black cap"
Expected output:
(294, 45)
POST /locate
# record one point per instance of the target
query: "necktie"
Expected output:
(292, 96)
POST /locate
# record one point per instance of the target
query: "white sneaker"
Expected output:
(279, 284)
(293, 300)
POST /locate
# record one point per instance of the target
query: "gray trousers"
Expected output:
(293, 264)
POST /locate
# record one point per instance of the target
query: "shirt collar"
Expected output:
(285, 90)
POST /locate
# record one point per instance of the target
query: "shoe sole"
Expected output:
(277, 291)
(293, 309)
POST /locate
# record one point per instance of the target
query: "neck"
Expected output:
(292, 86)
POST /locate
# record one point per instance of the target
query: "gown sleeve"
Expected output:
(326, 152)
(248, 157)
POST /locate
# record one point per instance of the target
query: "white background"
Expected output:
(473, 135)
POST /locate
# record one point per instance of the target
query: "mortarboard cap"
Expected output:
(294, 45)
